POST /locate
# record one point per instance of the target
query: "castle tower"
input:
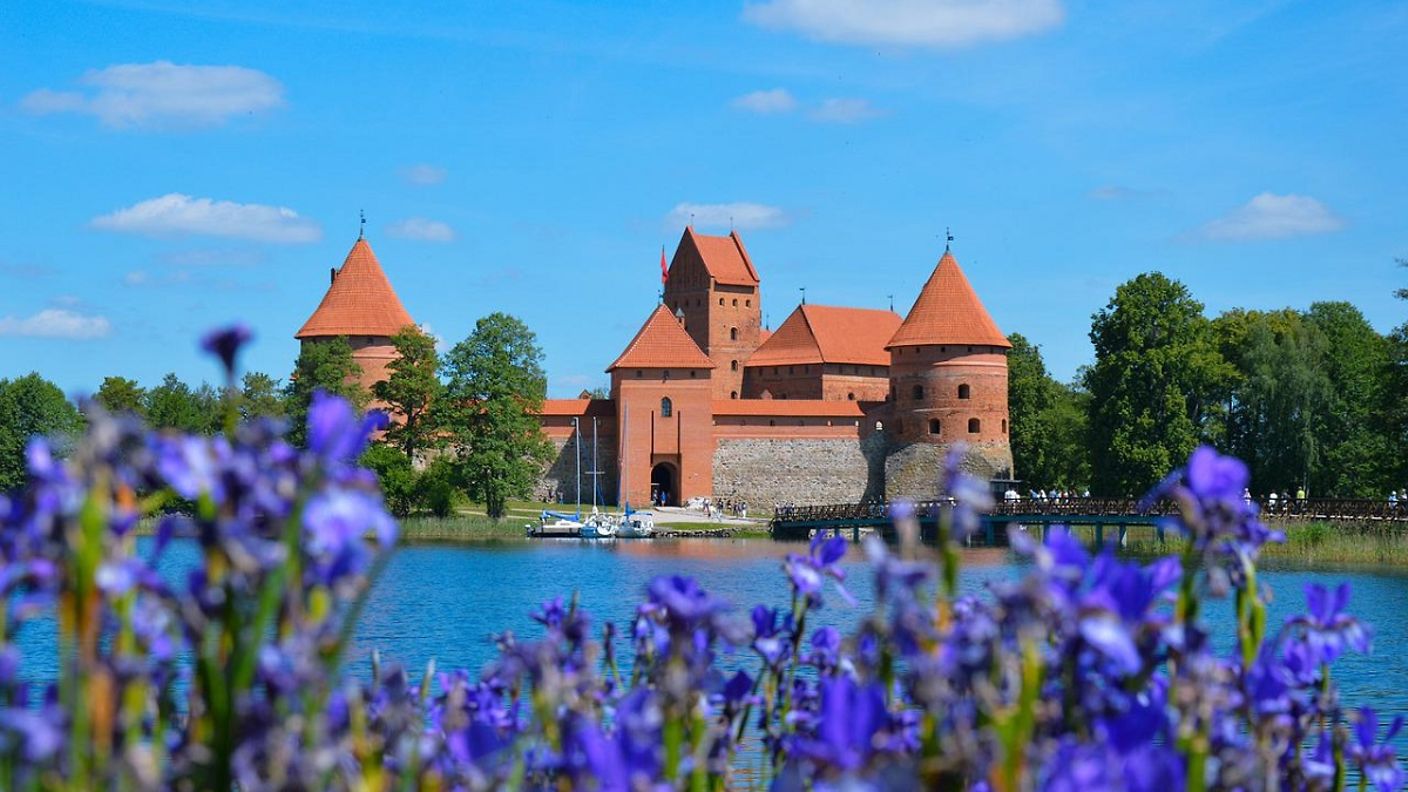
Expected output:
(360, 305)
(712, 282)
(948, 384)
(663, 395)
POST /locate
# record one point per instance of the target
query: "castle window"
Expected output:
(747, 303)
(721, 301)
(964, 392)
(933, 426)
(850, 397)
(667, 408)
(1004, 426)
(771, 422)
(733, 394)
(733, 365)
(733, 334)
(974, 426)
(692, 373)
(735, 302)
(918, 392)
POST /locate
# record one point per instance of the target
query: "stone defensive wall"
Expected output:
(559, 476)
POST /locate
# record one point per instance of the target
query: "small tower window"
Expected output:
(974, 426)
(693, 373)
(735, 302)
(733, 394)
(747, 303)
(667, 408)
(964, 392)
(733, 334)
(772, 422)
(733, 365)
(721, 301)
(933, 426)
(918, 392)
(1004, 426)
(850, 397)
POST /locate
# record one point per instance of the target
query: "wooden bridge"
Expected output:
(800, 522)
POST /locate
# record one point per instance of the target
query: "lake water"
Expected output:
(446, 602)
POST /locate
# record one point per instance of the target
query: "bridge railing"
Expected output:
(1329, 509)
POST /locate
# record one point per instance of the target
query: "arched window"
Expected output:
(933, 426)
(918, 392)
(735, 302)
(1004, 426)
(974, 426)
(733, 365)
(721, 301)
(733, 394)
(733, 334)
(747, 303)
(850, 397)
(964, 391)
(667, 408)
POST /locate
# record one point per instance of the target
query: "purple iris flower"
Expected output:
(849, 724)
(768, 640)
(808, 572)
(684, 600)
(971, 496)
(1377, 760)
(737, 687)
(224, 343)
(338, 521)
(1326, 628)
(335, 432)
(826, 648)
(1213, 477)
(191, 466)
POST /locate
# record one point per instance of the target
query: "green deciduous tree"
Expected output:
(1358, 458)
(1048, 422)
(175, 405)
(121, 395)
(325, 365)
(396, 475)
(409, 391)
(1155, 387)
(495, 387)
(29, 406)
(260, 396)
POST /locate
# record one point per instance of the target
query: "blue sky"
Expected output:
(173, 165)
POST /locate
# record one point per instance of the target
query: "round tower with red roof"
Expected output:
(948, 385)
(361, 306)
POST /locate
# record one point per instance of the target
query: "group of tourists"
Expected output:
(1398, 500)
(719, 508)
(1052, 496)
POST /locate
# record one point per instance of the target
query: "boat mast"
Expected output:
(596, 470)
(577, 442)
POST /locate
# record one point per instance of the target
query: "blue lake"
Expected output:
(446, 602)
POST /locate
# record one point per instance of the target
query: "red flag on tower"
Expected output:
(664, 268)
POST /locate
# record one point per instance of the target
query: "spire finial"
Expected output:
(803, 290)
(892, 302)
(948, 233)
(362, 232)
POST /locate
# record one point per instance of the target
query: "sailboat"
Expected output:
(597, 524)
(632, 524)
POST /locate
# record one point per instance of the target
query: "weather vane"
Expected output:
(948, 234)
(362, 232)
(803, 290)
(892, 302)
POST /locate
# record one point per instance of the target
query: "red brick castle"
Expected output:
(838, 404)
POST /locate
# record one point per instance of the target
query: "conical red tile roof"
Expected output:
(360, 301)
(662, 343)
(948, 311)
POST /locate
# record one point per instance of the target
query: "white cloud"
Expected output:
(740, 215)
(423, 175)
(175, 214)
(55, 323)
(163, 95)
(421, 229)
(908, 23)
(777, 100)
(845, 111)
(136, 278)
(1271, 216)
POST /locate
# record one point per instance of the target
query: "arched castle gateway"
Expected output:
(838, 404)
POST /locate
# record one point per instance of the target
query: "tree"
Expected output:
(174, 405)
(396, 475)
(1155, 388)
(1358, 460)
(121, 395)
(495, 387)
(410, 390)
(1048, 423)
(29, 406)
(260, 396)
(325, 365)
(1278, 395)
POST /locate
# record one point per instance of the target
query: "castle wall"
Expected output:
(559, 477)
(765, 471)
(914, 470)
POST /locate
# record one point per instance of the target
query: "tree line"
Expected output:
(1312, 400)
(461, 425)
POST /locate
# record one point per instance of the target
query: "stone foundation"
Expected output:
(765, 472)
(559, 477)
(913, 471)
